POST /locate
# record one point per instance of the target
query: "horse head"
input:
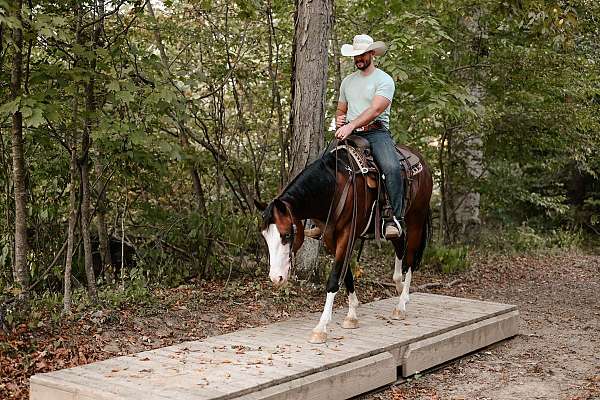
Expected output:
(284, 235)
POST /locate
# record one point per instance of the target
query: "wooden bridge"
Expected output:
(277, 362)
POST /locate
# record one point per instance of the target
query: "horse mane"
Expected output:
(311, 189)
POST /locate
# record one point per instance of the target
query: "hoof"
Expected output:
(318, 337)
(398, 314)
(350, 323)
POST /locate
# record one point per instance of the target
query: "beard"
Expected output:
(363, 64)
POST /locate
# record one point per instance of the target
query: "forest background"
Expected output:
(137, 133)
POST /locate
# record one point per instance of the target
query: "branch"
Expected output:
(470, 66)
(433, 285)
(94, 22)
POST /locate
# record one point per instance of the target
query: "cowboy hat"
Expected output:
(361, 44)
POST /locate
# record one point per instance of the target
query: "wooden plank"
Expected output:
(441, 348)
(276, 360)
(341, 382)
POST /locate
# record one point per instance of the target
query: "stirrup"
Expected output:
(391, 231)
(392, 228)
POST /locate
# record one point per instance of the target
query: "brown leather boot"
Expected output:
(391, 231)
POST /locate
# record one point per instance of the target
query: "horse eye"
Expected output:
(286, 238)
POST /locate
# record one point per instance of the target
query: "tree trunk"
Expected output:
(467, 144)
(276, 98)
(309, 85)
(72, 216)
(101, 223)
(20, 269)
(86, 217)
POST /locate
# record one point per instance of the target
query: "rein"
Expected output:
(338, 211)
(340, 208)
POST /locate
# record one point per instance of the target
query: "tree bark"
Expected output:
(101, 223)
(311, 36)
(86, 217)
(276, 98)
(72, 216)
(20, 269)
(467, 159)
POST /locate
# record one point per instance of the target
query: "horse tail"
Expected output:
(426, 236)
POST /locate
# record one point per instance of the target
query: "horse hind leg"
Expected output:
(402, 288)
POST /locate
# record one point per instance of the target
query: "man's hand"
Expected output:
(340, 120)
(344, 131)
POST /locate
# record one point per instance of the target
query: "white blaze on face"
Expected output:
(279, 255)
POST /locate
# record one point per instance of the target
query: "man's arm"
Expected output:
(378, 105)
(340, 114)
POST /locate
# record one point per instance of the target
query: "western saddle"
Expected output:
(359, 150)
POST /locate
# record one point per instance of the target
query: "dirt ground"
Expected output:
(556, 356)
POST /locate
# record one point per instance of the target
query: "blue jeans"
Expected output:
(386, 157)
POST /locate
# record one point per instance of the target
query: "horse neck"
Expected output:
(310, 193)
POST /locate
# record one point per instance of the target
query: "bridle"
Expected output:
(292, 252)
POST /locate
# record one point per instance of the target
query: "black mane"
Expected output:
(310, 193)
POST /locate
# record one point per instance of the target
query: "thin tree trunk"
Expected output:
(74, 186)
(90, 108)
(466, 199)
(101, 223)
(20, 269)
(276, 97)
(183, 137)
(72, 215)
(309, 86)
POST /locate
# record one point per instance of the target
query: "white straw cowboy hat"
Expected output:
(361, 44)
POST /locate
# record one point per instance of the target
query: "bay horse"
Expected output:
(312, 195)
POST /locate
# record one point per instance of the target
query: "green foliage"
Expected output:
(214, 106)
(446, 259)
(529, 239)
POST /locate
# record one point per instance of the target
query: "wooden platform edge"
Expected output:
(436, 350)
(43, 387)
(338, 383)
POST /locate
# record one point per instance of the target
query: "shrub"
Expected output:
(445, 259)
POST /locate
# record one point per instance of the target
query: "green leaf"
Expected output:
(35, 119)
(11, 107)
(125, 96)
(113, 86)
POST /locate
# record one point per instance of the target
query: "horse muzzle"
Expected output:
(278, 280)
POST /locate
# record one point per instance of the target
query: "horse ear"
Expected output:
(260, 206)
(280, 206)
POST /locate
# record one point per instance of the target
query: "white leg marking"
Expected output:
(353, 304)
(398, 275)
(402, 288)
(405, 297)
(326, 316)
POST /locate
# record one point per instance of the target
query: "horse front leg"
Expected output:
(319, 332)
(351, 320)
(402, 288)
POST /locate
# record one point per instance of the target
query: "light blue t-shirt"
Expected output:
(358, 91)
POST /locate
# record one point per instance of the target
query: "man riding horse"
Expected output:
(364, 109)
(341, 195)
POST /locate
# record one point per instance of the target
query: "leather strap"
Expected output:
(342, 202)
